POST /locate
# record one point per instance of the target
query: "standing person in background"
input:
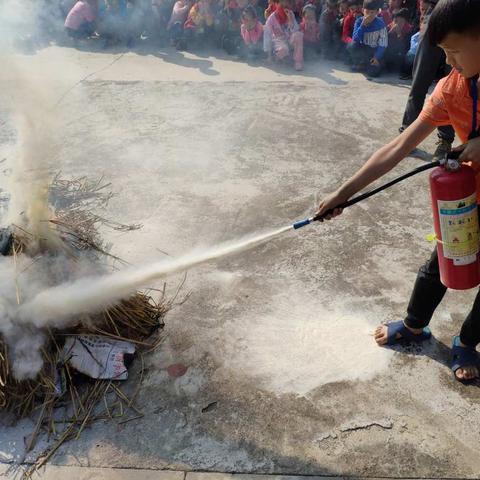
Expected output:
(370, 40)
(282, 36)
(429, 60)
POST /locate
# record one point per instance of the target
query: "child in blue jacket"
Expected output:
(370, 40)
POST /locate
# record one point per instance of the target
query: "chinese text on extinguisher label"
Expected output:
(459, 228)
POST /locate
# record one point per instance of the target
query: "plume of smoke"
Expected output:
(31, 97)
(26, 25)
(17, 21)
(31, 161)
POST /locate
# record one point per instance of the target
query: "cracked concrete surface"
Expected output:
(282, 374)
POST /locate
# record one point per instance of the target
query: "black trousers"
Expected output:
(428, 61)
(427, 295)
(361, 55)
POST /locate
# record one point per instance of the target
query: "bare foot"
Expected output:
(468, 372)
(381, 333)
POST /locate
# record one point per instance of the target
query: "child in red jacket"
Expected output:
(354, 11)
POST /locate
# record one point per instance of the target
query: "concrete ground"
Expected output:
(283, 375)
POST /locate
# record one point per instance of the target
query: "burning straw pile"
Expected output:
(137, 319)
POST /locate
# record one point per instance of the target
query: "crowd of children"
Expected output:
(369, 35)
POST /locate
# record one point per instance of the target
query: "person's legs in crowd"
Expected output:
(251, 51)
(209, 36)
(296, 41)
(331, 47)
(280, 49)
(394, 55)
(231, 43)
(359, 55)
(310, 50)
(176, 34)
(73, 34)
(407, 65)
(86, 29)
(342, 53)
(190, 38)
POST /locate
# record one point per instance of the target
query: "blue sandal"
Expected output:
(463, 357)
(407, 336)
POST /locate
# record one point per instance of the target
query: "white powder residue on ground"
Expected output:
(301, 345)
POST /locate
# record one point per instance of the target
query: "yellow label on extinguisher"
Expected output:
(459, 228)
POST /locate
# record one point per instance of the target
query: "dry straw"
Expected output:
(62, 401)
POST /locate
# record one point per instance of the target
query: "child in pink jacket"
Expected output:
(282, 36)
(252, 33)
(80, 21)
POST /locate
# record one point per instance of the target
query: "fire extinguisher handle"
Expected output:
(453, 155)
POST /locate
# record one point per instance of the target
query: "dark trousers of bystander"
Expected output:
(360, 57)
(427, 294)
(311, 49)
(429, 60)
(395, 54)
(199, 37)
(407, 65)
(330, 41)
(84, 30)
(175, 32)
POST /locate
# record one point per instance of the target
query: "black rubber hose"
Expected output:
(370, 193)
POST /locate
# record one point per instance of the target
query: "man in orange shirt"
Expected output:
(455, 27)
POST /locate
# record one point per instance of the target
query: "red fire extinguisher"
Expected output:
(454, 205)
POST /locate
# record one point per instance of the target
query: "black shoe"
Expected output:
(181, 45)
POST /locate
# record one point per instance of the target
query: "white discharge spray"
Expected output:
(91, 294)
